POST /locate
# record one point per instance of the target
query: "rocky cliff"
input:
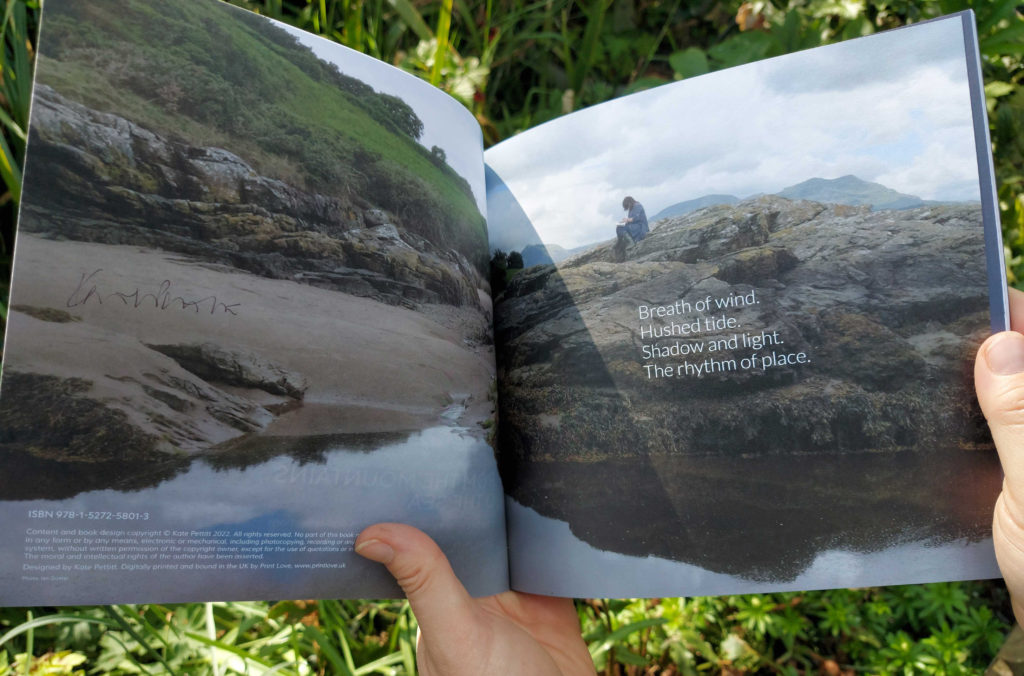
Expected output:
(887, 308)
(112, 181)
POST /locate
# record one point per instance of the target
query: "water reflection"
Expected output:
(443, 480)
(584, 571)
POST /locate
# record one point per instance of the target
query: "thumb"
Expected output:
(438, 599)
(999, 379)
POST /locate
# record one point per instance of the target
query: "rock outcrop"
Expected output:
(887, 308)
(216, 364)
(112, 181)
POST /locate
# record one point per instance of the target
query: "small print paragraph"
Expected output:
(692, 339)
(54, 550)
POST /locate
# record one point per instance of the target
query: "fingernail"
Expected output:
(1005, 354)
(375, 550)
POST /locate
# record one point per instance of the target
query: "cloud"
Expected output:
(753, 129)
(895, 56)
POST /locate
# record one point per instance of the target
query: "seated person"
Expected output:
(635, 222)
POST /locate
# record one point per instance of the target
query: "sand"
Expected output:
(368, 366)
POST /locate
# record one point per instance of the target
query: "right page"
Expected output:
(738, 355)
(248, 319)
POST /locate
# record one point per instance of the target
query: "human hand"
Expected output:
(509, 633)
(999, 380)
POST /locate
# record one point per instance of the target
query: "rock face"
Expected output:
(887, 308)
(216, 364)
(51, 424)
(112, 181)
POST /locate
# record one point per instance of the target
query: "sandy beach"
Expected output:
(365, 366)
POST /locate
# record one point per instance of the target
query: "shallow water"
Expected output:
(715, 524)
(443, 480)
(584, 571)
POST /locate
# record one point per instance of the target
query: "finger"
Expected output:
(1016, 309)
(438, 599)
(999, 379)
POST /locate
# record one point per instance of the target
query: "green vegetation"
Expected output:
(514, 64)
(248, 86)
(19, 26)
(950, 629)
(504, 266)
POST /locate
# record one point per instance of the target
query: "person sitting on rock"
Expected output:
(632, 228)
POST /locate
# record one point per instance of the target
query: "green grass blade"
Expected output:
(329, 651)
(234, 650)
(10, 173)
(411, 16)
(138, 638)
(52, 619)
(13, 127)
(211, 627)
(386, 661)
(346, 649)
(30, 647)
(444, 24)
(591, 37)
(406, 639)
(622, 632)
(17, 69)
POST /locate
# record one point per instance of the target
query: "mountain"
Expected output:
(683, 208)
(846, 190)
(543, 254)
(852, 191)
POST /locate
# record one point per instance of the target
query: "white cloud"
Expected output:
(893, 109)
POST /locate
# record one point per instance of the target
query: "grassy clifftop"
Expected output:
(244, 84)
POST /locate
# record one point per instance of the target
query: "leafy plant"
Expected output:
(17, 30)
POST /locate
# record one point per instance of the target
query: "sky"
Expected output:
(892, 108)
(446, 122)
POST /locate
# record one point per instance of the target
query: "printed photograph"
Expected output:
(735, 321)
(251, 288)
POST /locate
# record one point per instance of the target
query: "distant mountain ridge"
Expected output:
(683, 208)
(852, 191)
(848, 190)
(541, 254)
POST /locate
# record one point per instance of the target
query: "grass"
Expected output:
(949, 628)
(257, 92)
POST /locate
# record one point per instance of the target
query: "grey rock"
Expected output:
(113, 181)
(217, 364)
(889, 308)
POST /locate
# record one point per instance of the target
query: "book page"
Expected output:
(738, 355)
(250, 317)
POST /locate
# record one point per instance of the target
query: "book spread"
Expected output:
(714, 337)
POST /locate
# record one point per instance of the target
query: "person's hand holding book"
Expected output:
(509, 633)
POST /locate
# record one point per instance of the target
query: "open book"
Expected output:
(266, 293)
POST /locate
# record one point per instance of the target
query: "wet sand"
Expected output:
(366, 366)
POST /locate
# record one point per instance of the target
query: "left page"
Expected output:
(249, 317)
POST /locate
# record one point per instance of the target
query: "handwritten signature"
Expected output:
(162, 299)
